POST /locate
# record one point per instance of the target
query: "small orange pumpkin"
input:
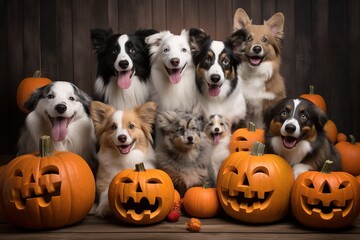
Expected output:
(326, 200)
(341, 137)
(243, 138)
(317, 99)
(255, 187)
(331, 131)
(27, 86)
(46, 190)
(141, 196)
(201, 202)
(350, 155)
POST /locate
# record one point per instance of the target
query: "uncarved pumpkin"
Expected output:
(201, 202)
(317, 99)
(27, 86)
(46, 190)
(350, 155)
(243, 139)
(141, 196)
(331, 131)
(254, 187)
(326, 200)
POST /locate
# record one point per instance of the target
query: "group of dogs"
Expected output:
(173, 101)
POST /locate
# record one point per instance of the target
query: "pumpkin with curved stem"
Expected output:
(255, 187)
(27, 86)
(350, 155)
(243, 138)
(46, 191)
(326, 200)
(141, 196)
(317, 99)
(201, 202)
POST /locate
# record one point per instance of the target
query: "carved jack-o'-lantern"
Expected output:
(243, 139)
(141, 196)
(51, 190)
(254, 187)
(326, 199)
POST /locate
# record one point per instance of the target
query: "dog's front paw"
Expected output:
(300, 168)
(103, 211)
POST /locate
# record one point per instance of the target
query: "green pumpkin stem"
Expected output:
(327, 166)
(140, 167)
(37, 74)
(352, 139)
(311, 89)
(258, 149)
(206, 185)
(45, 146)
(251, 127)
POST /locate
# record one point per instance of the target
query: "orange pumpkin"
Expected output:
(255, 187)
(326, 200)
(27, 86)
(177, 197)
(341, 137)
(141, 196)
(317, 99)
(350, 155)
(46, 190)
(331, 131)
(243, 138)
(201, 202)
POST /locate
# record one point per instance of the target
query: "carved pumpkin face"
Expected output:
(243, 139)
(46, 192)
(141, 196)
(326, 200)
(255, 189)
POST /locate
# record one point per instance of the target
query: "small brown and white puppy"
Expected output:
(294, 129)
(183, 152)
(125, 139)
(217, 129)
(259, 69)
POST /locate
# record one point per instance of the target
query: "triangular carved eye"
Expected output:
(231, 169)
(326, 188)
(309, 183)
(343, 185)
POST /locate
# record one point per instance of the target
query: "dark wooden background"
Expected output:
(321, 45)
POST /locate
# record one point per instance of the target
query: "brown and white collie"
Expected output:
(259, 69)
(125, 139)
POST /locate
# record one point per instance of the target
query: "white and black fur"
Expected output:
(294, 130)
(218, 132)
(123, 67)
(183, 151)
(219, 89)
(60, 110)
(172, 71)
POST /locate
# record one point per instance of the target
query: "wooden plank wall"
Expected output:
(321, 45)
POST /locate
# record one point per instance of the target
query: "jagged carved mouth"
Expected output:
(141, 207)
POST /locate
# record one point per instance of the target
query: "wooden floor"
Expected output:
(216, 228)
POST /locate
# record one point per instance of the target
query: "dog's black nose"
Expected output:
(122, 138)
(123, 64)
(215, 78)
(290, 128)
(175, 61)
(217, 129)
(190, 139)
(257, 49)
(60, 108)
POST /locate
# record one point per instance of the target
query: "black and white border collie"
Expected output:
(123, 67)
(216, 62)
(294, 130)
(60, 110)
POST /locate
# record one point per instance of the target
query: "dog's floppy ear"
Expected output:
(197, 39)
(154, 41)
(99, 38)
(237, 41)
(34, 98)
(147, 113)
(241, 19)
(84, 98)
(165, 120)
(321, 118)
(98, 113)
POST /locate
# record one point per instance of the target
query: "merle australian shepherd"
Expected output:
(123, 67)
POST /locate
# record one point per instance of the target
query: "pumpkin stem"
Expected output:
(327, 166)
(140, 167)
(206, 185)
(251, 127)
(45, 146)
(37, 74)
(258, 149)
(352, 139)
(311, 89)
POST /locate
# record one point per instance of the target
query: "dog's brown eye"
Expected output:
(50, 96)
(208, 60)
(114, 51)
(72, 98)
(265, 40)
(249, 38)
(225, 62)
(166, 50)
(113, 126)
(184, 50)
(303, 117)
(284, 114)
(132, 50)
(131, 126)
